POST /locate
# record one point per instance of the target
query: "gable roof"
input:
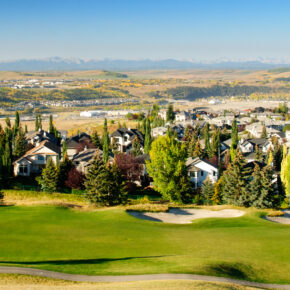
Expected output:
(34, 150)
(73, 141)
(131, 132)
(192, 162)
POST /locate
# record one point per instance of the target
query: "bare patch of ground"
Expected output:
(186, 216)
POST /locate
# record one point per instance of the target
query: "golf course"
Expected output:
(111, 242)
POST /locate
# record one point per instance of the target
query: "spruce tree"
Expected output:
(235, 182)
(106, 142)
(264, 132)
(207, 191)
(64, 149)
(235, 139)
(104, 185)
(136, 147)
(147, 141)
(96, 140)
(258, 154)
(16, 123)
(49, 177)
(170, 116)
(19, 144)
(197, 150)
(206, 136)
(285, 170)
(215, 143)
(39, 122)
(51, 127)
(36, 123)
(25, 129)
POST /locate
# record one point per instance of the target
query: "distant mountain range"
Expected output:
(63, 64)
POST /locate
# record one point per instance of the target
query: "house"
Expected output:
(123, 138)
(182, 116)
(36, 137)
(249, 145)
(199, 170)
(159, 131)
(162, 114)
(83, 159)
(74, 143)
(34, 160)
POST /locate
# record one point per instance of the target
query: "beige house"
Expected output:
(34, 160)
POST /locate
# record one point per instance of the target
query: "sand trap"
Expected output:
(280, 219)
(185, 216)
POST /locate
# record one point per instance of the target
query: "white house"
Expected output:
(123, 138)
(182, 116)
(199, 170)
(34, 160)
(159, 131)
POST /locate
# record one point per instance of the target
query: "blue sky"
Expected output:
(127, 29)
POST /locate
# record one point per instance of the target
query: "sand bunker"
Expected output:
(185, 216)
(280, 219)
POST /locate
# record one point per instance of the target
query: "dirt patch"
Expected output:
(186, 216)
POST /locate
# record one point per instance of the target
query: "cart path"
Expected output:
(128, 278)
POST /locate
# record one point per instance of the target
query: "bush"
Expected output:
(1, 197)
(148, 207)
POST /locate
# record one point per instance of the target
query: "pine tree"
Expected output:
(207, 191)
(235, 139)
(197, 150)
(96, 140)
(136, 147)
(36, 123)
(64, 167)
(64, 149)
(49, 177)
(20, 144)
(235, 182)
(104, 185)
(25, 129)
(147, 141)
(16, 123)
(51, 127)
(264, 192)
(264, 132)
(39, 122)
(269, 158)
(170, 116)
(106, 142)
(258, 154)
(7, 160)
(217, 195)
(207, 146)
(215, 143)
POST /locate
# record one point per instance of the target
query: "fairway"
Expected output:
(111, 242)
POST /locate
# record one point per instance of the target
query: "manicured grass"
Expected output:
(110, 241)
(11, 281)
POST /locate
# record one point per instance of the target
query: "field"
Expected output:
(111, 242)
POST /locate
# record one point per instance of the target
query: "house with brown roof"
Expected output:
(34, 160)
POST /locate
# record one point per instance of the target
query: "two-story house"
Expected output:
(122, 138)
(34, 160)
(199, 170)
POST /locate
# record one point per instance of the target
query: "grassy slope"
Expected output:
(30, 282)
(112, 242)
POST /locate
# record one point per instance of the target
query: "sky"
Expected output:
(138, 29)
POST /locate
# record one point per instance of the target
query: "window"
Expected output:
(214, 173)
(125, 139)
(192, 174)
(23, 169)
(40, 157)
(201, 173)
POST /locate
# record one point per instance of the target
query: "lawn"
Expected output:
(110, 241)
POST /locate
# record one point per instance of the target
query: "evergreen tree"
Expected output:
(104, 185)
(20, 144)
(96, 140)
(106, 142)
(170, 116)
(215, 143)
(36, 123)
(16, 123)
(264, 132)
(235, 139)
(144, 125)
(264, 193)
(64, 167)
(25, 129)
(147, 141)
(206, 136)
(64, 149)
(39, 122)
(235, 182)
(258, 154)
(49, 177)
(136, 147)
(8, 122)
(207, 191)
(197, 150)
(51, 126)
(217, 195)
(1, 197)
(269, 157)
